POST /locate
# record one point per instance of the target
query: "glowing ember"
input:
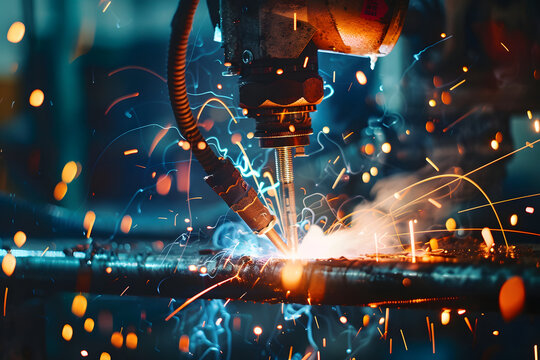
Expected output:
(117, 340)
(89, 325)
(495, 332)
(16, 32)
(257, 330)
(19, 238)
(513, 220)
(60, 191)
(488, 237)
(78, 306)
(131, 152)
(386, 148)
(131, 341)
(512, 298)
(84, 353)
(163, 184)
(365, 320)
(8, 264)
(279, 71)
(366, 177)
(69, 172)
(361, 77)
(67, 332)
(88, 222)
(374, 171)
(105, 356)
(343, 319)
(529, 210)
(451, 224)
(36, 98)
(125, 224)
(183, 344)
(445, 317)
(432, 103)
(494, 144)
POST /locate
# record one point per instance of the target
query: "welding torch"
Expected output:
(272, 46)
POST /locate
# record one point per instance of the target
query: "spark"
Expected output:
(16, 32)
(468, 113)
(529, 114)
(488, 237)
(499, 202)
(135, 67)
(316, 322)
(535, 352)
(404, 342)
(387, 314)
(121, 98)
(432, 164)
(334, 76)
(432, 103)
(537, 125)
(428, 328)
(433, 337)
(343, 320)
(44, 251)
(36, 98)
(468, 323)
(257, 330)
(411, 231)
(290, 353)
(513, 219)
(5, 300)
(279, 71)
(294, 22)
(435, 203)
(529, 210)
(157, 139)
(445, 317)
(361, 77)
(326, 129)
(19, 238)
(504, 46)
(307, 356)
(107, 6)
(338, 178)
(349, 134)
(123, 292)
(192, 299)
(131, 152)
(386, 147)
(390, 345)
(458, 84)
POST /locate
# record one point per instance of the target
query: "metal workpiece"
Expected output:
(390, 282)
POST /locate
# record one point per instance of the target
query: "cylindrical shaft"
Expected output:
(284, 168)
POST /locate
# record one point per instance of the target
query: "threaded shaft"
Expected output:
(284, 169)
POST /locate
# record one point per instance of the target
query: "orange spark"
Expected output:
(5, 300)
(504, 46)
(88, 222)
(192, 299)
(432, 164)
(306, 61)
(294, 22)
(411, 231)
(404, 342)
(157, 139)
(16, 32)
(361, 77)
(121, 98)
(338, 178)
(36, 98)
(435, 203)
(131, 152)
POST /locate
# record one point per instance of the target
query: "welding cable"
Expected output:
(223, 177)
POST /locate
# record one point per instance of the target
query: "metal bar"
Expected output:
(336, 282)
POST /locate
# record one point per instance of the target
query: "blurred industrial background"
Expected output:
(86, 125)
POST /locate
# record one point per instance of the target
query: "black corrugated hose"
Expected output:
(223, 177)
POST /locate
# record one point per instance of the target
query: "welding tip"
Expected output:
(277, 241)
(284, 168)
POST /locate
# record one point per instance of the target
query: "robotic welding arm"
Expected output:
(272, 45)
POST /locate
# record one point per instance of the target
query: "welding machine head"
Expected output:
(273, 46)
